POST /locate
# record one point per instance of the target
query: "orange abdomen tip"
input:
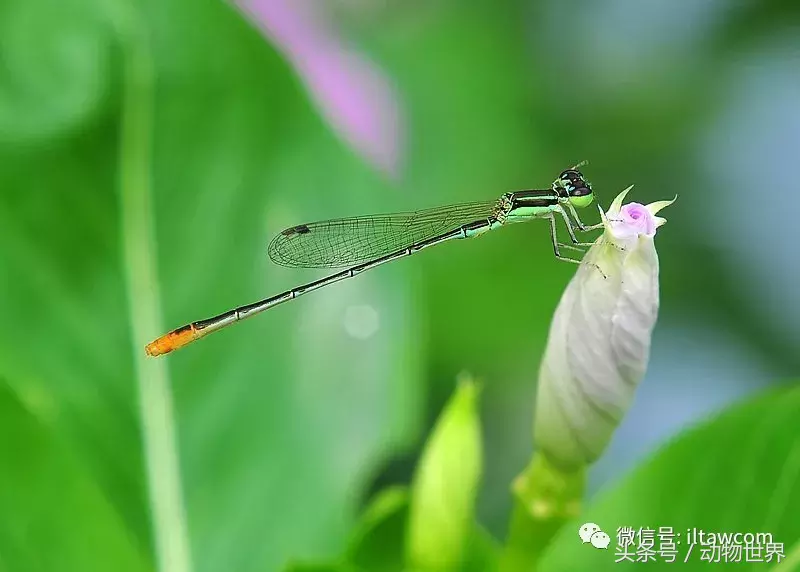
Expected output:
(172, 341)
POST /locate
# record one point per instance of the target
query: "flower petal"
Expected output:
(658, 205)
(353, 95)
(616, 204)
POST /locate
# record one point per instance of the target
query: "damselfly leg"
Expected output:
(558, 245)
(570, 231)
(579, 223)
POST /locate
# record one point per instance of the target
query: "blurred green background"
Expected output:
(150, 150)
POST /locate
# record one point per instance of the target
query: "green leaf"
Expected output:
(52, 86)
(320, 568)
(378, 541)
(54, 515)
(445, 484)
(736, 473)
(483, 552)
(281, 419)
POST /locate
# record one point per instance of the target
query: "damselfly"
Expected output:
(362, 243)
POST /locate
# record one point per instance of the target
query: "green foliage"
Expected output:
(54, 86)
(262, 415)
(736, 473)
(429, 527)
(319, 568)
(54, 516)
(545, 498)
(283, 420)
(445, 485)
(378, 542)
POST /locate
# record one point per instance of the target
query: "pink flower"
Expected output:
(624, 223)
(637, 220)
(351, 93)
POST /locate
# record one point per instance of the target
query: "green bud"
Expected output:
(445, 485)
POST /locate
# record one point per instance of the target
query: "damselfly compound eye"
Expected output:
(580, 192)
(574, 178)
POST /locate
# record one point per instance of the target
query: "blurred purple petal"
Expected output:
(353, 95)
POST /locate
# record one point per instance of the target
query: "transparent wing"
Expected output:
(347, 241)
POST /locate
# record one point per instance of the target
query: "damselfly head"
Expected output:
(573, 187)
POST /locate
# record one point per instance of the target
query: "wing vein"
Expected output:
(346, 241)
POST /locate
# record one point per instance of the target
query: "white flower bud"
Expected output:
(599, 341)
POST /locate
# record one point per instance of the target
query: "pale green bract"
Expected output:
(599, 341)
(445, 485)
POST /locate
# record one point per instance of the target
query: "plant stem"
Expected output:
(545, 498)
(155, 396)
